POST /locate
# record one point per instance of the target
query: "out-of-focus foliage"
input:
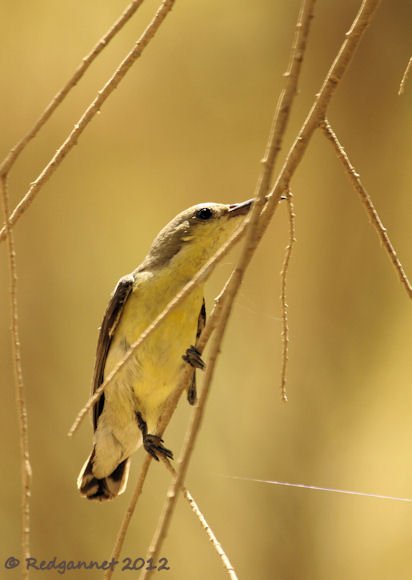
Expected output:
(189, 124)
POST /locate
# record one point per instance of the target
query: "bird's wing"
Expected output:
(110, 321)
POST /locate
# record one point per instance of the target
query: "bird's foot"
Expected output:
(152, 443)
(193, 357)
(154, 446)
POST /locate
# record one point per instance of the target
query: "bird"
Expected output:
(127, 413)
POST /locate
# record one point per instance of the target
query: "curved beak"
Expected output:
(239, 209)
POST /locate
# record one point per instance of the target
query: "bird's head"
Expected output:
(195, 234)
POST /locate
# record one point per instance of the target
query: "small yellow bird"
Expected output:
(128, 412)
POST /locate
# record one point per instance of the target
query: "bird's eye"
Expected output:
(204, 214)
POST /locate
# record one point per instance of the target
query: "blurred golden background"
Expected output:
(189, 124)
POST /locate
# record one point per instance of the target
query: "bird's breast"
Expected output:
(154, 370)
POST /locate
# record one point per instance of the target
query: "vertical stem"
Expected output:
(283, 293)
(20, 394)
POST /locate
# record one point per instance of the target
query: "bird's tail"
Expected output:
(105, 488)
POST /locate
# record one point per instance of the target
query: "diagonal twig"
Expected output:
(405, 77)
(20, 389)
(367, 202)
(193, 505)
(227, 565)
(129, 514)
(90, 113)
(14, 153)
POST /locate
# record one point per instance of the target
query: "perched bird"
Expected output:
(128, 412)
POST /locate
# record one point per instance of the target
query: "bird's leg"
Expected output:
(193, 358)
(192, 391)
(152, 443)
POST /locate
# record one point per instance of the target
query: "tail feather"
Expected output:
(104, 488)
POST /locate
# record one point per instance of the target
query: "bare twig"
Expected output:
(90, 112)
(20, 390)
(129, 514)
(367, 202)
(164, 421)
(284, 306)
(275, 138)
(227, 565)
(14, 153)
(195, 508)
(284, 103)
(166, 416)
(185, 455)
(318, 110)
(405, 77)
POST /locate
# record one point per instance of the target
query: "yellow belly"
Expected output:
(154, 371)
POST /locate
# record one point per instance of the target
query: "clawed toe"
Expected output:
(154, 446)
(152, 443)
(193, 358)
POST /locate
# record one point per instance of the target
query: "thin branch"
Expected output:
(195, 508)
(14, 153)
(129, 514)
(90, 112)
(164, 421)
(367, 202)
(405, 77)
(285, 100)
(166, 416)
(185, 455)
(20, 390)
(275, 138)
(227, 565)
(284, 306)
